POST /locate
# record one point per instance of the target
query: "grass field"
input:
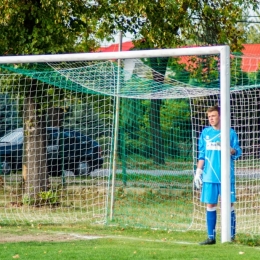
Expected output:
(155, 207)
(107, 242)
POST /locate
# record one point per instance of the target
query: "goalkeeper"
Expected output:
(208, 172)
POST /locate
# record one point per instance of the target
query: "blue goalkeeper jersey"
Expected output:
(209, 151)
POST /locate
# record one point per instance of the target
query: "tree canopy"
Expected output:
(54, 26)
(168, 23)
(48, 26)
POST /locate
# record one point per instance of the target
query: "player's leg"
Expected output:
(211, 217)
(233, 213)
(233, 223)
(209, 195)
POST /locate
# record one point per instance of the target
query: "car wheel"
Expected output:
(83, 168)
(6, 168)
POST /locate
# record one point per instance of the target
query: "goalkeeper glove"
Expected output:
(197, 178)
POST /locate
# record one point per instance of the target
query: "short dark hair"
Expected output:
(214, 108)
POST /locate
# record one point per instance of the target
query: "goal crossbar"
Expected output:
(114, 55)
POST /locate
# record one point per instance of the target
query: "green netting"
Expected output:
(200, 77)
(105, 78)
(46, 74)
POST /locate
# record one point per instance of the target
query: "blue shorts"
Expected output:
(211, 192)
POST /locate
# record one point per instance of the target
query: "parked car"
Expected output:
(67, 150)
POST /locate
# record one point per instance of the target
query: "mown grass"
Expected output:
(118, 243)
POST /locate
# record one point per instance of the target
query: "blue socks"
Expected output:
(211, 222)
(233, 223)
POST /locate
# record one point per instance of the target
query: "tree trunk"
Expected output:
(155, 123)
(34, 171)
(55, 116)
(159, 66)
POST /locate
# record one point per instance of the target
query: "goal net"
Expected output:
(103, 141)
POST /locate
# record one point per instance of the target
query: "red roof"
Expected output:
(250, 58)
(252, 49)
(126, 46)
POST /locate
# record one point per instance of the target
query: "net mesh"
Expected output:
(162, 111)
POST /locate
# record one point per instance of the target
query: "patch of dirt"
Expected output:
(44, 237)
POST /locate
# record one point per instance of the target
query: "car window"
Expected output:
(68, 138)
(86, 140)
(13, 137)
(77, 136)
(67, 134)
(52, 139)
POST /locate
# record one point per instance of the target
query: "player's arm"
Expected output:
(235, 149)
(198, 174)
(200, 164)
(232, 151)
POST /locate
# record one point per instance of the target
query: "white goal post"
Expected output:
(223, 51)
